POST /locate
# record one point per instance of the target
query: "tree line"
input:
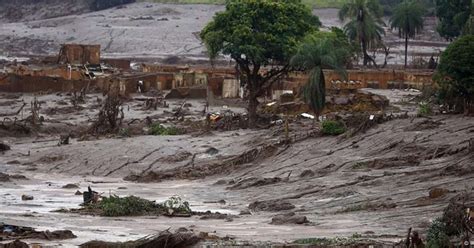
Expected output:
(270, 38)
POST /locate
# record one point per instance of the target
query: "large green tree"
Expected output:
(455, 73)
(261, 36)
(408, 19)
(364, 25)
(452, 15)
(319, 51)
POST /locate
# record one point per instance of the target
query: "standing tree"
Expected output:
(317, 52)
(261, 36)
(365, 24)
(455, 74)
(452, 15)
(408, 19)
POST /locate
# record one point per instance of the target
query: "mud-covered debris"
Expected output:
(245, 212)
(167, 239)
(255, 182)
(437, 192)
(216, 216)
(4, 147)
(27, 197)
(212, 151)
(15, 244)
(4, 177)
(71, 186)
(10, 232)
(307, 173)
(271, 205)
(289, 218)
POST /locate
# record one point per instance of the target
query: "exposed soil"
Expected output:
(151, 30)
(396, 174)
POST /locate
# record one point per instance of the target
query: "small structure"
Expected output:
(77, 54)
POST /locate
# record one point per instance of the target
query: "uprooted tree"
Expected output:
(261, 36)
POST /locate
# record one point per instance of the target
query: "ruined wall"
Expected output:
(78, 54)
(19, 83)
(123, 64)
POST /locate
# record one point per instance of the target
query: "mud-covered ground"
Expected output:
(152, 30)
(376, 183)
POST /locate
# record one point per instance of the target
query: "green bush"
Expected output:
(330, 127)
(124, 132)
(437, 237)
(424, 109)
(158, 129)
(127, 206)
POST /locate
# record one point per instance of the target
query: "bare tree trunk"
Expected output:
(406, 49)
(364, 51)
(253, 103)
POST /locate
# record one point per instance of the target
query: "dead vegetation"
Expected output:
(110, 116)
(166, 239)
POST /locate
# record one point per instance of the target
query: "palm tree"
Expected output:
(408, 19)
(313, 55)
(365, 24)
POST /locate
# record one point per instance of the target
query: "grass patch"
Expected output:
(158, 129)
(329, 241)
(424, 109)
(311, 3)
(330, 127)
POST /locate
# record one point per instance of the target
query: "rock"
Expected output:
(15, 244)
(4, 177)
(271, 205)
(18, 177)
(341, 100)
(27, 197)
(289, 218)
(4, 147)
(78, 193)
(307, 173)
(221, 182)
(70, 186)
(437, 192)
(212, 151)
(244, 212)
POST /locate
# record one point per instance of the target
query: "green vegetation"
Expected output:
(330, 127)
(127, 206)
(408, 19)
(158, 129)
(323, 242)
(455, 74)
(310, 3)
(424, 109)
(318, 51)
(257, 34)
(436, 236)
(364, 26)
(124, 132)
(452, 15)
(136, 206)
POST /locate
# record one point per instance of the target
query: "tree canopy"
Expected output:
(258, 34)
(455, 73)
(408, 19)
(452, 15)
(365, 24)
(319, 51)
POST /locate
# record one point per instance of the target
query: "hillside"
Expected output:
(30, 10)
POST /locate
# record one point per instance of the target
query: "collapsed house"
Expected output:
(78, 66)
